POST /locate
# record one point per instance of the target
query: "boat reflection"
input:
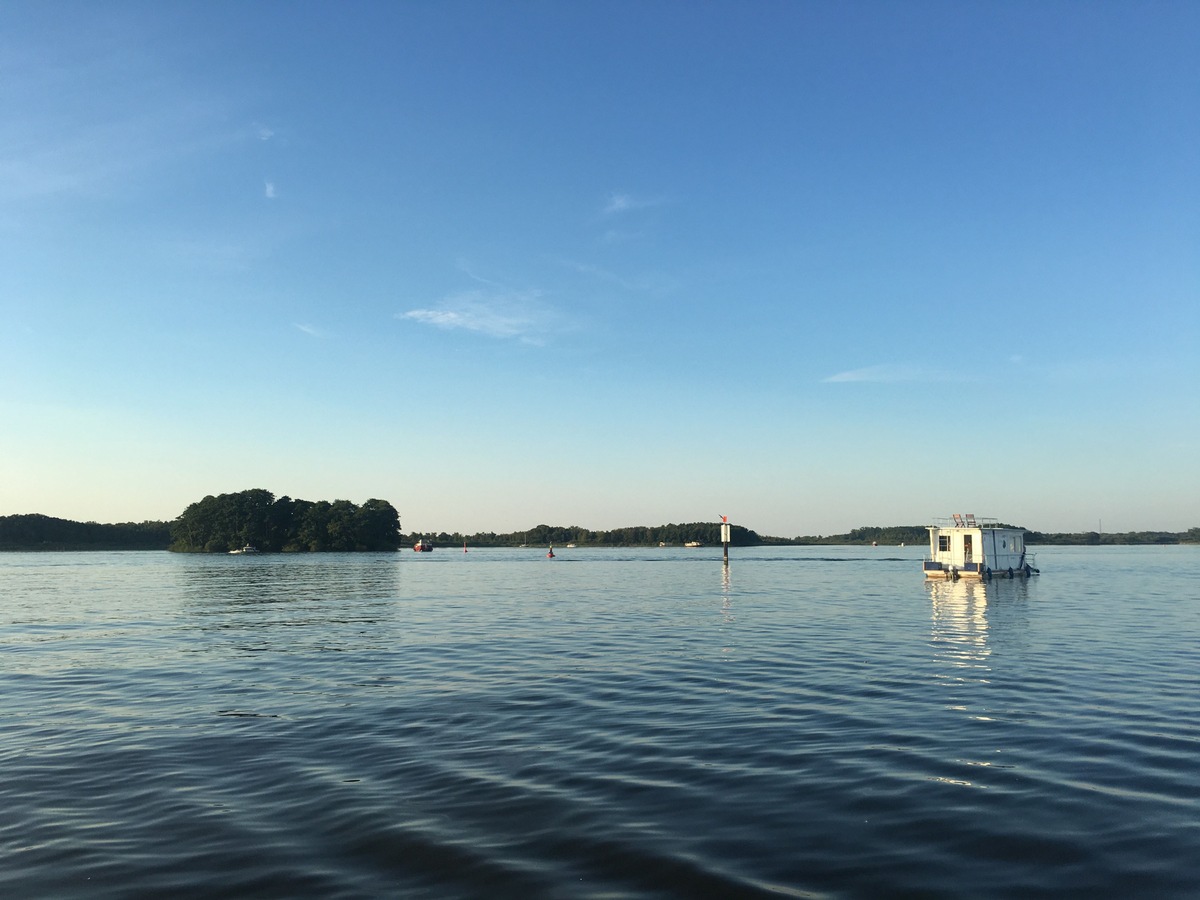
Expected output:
(968, 615)
(959, 629)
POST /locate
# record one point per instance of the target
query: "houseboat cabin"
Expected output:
(963, 547)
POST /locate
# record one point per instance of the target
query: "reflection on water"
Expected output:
(283, 577)
(969, 617)
(959, 617)
(254, 597)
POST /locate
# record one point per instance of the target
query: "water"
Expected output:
(612, 723)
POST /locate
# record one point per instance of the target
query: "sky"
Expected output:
(810, 265)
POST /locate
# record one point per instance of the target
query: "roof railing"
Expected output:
(965, 521)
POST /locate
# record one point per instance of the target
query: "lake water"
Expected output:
(611, 723)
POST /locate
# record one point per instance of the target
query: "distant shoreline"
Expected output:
(34, 533)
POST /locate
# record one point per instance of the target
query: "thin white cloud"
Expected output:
(620, 203)
(96, 124)
(508, 315)
(1077, 371)
(464, 266)
(652, 283)
(269, 190)
(621, 236)
(310, 330)
(221, 253)
(892, 373)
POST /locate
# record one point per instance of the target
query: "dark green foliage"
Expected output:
(230, 521)
(38, 532)
(1095, 538)
(634, 536)
(890, 535)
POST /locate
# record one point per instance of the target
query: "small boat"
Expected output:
(423, 546)
(693, 544)
(966, 547)
(249, 548)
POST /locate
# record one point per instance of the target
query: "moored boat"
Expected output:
(966, 547)
(249, 548)
(423, 546)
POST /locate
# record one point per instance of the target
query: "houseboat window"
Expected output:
(944, 543)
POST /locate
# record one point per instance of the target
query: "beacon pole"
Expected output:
(725, 529)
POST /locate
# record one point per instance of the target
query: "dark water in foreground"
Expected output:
(821, 722)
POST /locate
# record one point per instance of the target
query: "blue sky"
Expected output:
(809, 265)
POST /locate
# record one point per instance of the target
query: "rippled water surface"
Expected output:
(812, 722)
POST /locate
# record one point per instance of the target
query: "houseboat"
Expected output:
(966, 547)
(423, 546)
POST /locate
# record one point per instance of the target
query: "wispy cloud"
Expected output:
(620, 203)
(894, 373)
(104, 119)
(465, 266)
(519, 316)
(269, 190)
(1063, 371)
(652, 283)
(621, 236)
(222, 253)
(311, 330)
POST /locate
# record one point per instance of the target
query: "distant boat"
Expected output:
(693, 544)
(423, 546)
(249, 548)
(570, 546)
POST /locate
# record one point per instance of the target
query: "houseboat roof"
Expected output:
(969, 520)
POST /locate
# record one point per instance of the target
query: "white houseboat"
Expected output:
(964, 547)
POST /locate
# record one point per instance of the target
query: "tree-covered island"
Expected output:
(256, 518)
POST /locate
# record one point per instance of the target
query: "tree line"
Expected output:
(632, 536)
(871, 534)
(918, 534)
(256, 517)
(38, 532)
(1191, 536)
